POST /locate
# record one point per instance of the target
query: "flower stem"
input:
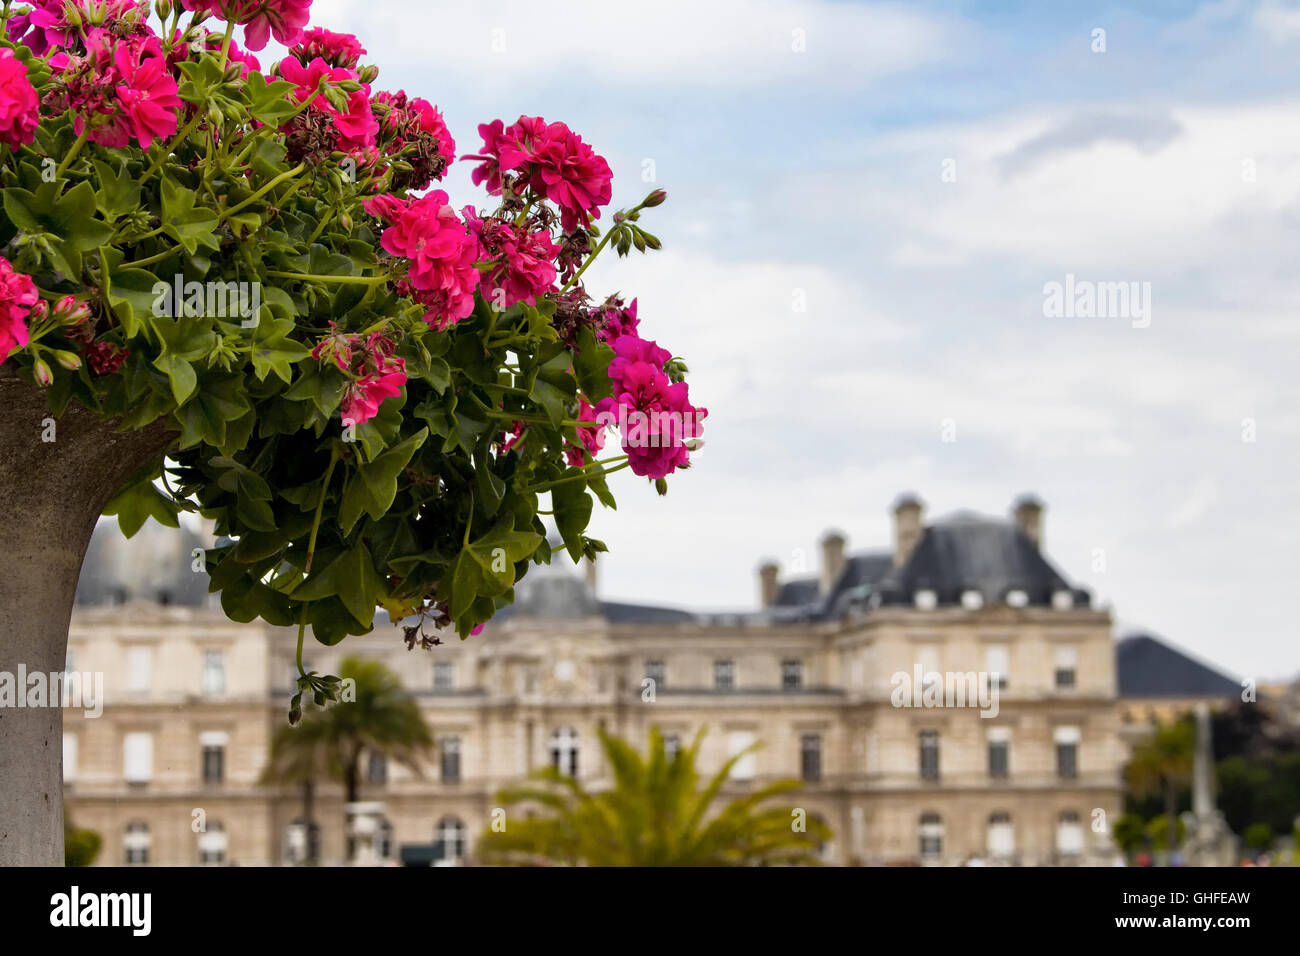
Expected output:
(289, 174)
(225, 44)
(72, 153)
(346, 280)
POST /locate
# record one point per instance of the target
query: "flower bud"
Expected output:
(656, 198)
(163, 8)
(69, 360)
(69, 311)
(368, 74)
(42, 372)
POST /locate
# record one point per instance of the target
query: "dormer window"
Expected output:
(926, 600)
(972, 600)
(1017, 599)
(1062, 600)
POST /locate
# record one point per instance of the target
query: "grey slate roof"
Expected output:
(156, 565)
(1148, 667)
(968, 552)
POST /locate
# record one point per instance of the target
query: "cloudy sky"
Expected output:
(913, 176)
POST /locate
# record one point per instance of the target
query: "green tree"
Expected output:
(1130, 833)
(80, 847)
(1258, 837)
(1162, 764)
(375, 715)
(654, 814)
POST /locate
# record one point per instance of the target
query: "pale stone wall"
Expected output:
(520, 681)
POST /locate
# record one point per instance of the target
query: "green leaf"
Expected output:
(190, 225)
(268, 102)
(572, 507)
(374, 486)
(136, 503)
(183, 341)
(118, 193)
(274, 351)
(486, 567)
(352, 579)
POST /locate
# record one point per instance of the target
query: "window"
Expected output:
(929, 755)
(137, 757)
(69, 757)
(1067, 663)
(449, 759)
(999, 752)
(212, 745)
(927, 657)
(302, 842)
(136, 843)
(931, 836)
(654, 672)
(139, 669)
(1067, 750)
(376, 769)
(791, 675)
(444, 676)
(810, 757)
(1069, 834)
(741, 741)
(672, 747)
(997, 662)
(448, 842)
(564, 751)
(1001, 836)
(212, 845)
(212, 681)
(724, 676)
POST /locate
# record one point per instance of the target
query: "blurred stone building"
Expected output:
(169, 773)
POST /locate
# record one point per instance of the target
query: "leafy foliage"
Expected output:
(424, 507)
(654, 814)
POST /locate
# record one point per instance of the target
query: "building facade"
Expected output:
(947, 700)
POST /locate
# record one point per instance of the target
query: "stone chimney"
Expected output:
(832, 559)
(768, 583)
(908, 510)
(1028, 516)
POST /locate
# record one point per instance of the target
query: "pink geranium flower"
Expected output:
(261, 19)
(442, 253)
(147, 95)
(364, 396)
(336, 49)
(552, 160)
(524, 260)
(19, 106)
(17, 296)
(356, 124)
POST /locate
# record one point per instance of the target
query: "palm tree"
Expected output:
(653, 815)
(381, 718)
(1162, 764)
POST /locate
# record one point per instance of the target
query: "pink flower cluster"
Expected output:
(655, 418)
(550, 159)
(121, 88)
(17, 297)
(440, 249)
(336, 49)
(19, 107)
(523, 260)
(614, 321)
(261, 19)
(415, 127)
(356, 124)
(375, 372)
(48, 25)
